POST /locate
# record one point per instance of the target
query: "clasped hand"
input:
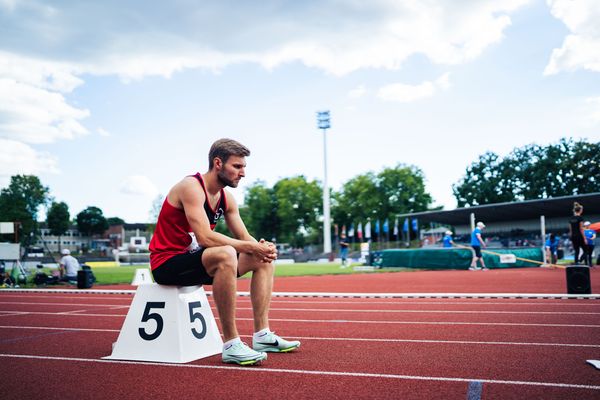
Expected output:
(266, 251)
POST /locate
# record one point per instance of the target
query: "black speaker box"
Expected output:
(84, 279)
(578, 279)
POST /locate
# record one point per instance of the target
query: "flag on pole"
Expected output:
(415, 224)
(396, 228)
(368, 230)
(377, 227)
(405, 227)
(386, 226)
(359, 233)
(344, 229)
(351, 230)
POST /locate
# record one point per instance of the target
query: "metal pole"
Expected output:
(543, 228)
(326, 215)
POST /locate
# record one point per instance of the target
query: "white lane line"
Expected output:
(11, 313)
(347, 321)
(52, 328)
(344, 309)
(398, 301)
(310, 372)
(73, 312)
(33, 303)
(341, 294)
(558, 302)
(346, 339)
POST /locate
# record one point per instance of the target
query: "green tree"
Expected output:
(115, 221)
(259, 211)
(531, 172)
(20, 202)
(299, 206)
(565, 168)
(382, 196)
(58, 220)
(488, 180)
(91, 221)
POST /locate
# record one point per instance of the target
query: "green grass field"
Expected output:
(125, 274)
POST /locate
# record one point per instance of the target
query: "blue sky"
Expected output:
(110, 103)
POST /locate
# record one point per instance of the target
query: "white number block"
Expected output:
(171, 324)
(142, 276)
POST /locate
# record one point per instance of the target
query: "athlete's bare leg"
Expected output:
(261, 287)
(221, 263)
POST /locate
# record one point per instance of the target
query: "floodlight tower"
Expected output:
(324, 123)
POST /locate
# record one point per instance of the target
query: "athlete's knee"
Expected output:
(226, 258)
(268, 267)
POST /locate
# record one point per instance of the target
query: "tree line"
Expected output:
(22, 199)
(292, 209)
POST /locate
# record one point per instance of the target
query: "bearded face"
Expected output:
(232, 171)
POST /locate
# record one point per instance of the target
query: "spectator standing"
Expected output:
(590, 236)
(576, 231)
(447, 240)
(344, 249)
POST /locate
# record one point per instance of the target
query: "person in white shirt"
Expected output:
(68, 266)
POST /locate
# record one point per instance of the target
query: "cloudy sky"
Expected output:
(111, 102)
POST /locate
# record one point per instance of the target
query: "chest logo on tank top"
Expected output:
(218, 215)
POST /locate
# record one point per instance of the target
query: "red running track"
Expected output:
(51, 345)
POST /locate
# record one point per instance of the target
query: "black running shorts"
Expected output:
(184, 269)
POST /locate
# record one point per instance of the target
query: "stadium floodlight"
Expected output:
(324, 123)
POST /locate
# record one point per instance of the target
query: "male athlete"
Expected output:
(185, 250)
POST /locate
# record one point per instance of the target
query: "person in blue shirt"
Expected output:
(447, 240)
(590, 236)
(552, 248)
(476, 243)
(344, 249)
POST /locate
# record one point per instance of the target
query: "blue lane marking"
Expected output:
(474, 391)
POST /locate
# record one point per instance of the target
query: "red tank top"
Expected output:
(172, 234)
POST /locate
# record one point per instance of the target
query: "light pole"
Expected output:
(324, 123)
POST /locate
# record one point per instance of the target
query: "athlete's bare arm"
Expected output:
(238, 228)
(189, 196)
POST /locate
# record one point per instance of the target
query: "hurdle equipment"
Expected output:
(142, 276)
(172, 324)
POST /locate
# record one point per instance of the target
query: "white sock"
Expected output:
(260, 333)
(231, 342)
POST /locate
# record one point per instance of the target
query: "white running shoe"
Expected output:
(272, 343)
(240, 353)
(474, 268)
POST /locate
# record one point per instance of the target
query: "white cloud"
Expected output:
(103, 132)
(34, 115)
(19, 158)
(404, 93)
(581, 48)
(139, 185)
(50, 49)
(338, 37)
(33, 108)
(357, 92)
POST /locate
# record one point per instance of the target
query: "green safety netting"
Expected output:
(452, 258)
